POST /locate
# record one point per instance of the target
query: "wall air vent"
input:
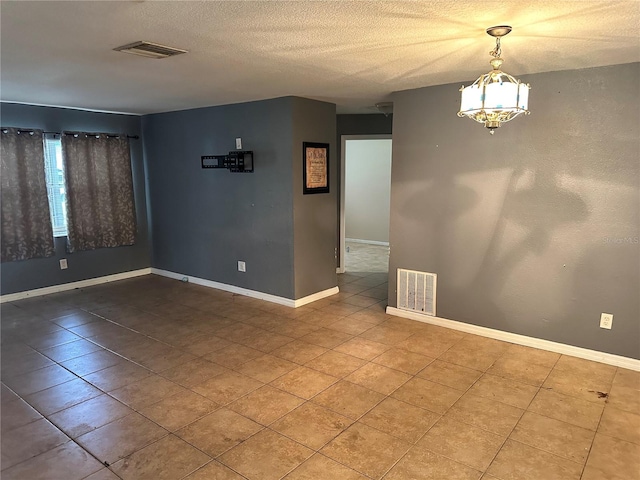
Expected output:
(417, 291)
(150, 50)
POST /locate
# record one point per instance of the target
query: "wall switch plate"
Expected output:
(238, 143)
(606, 320)
(63, 264)
(242, 267)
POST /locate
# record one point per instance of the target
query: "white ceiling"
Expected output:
(352, 53)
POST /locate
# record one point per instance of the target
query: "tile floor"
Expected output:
(366, 258)
(151, 378)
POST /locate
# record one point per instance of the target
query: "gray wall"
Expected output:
(533, 230)
(367, 189)
(45, 272)
(204, 221)
(314, 214)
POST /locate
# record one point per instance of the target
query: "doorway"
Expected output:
(365, 203)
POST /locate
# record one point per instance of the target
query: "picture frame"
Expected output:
(315, 168)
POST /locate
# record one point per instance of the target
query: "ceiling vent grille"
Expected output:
(417, 291)
(150, 50)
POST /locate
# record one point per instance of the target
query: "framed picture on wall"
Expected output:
(315, 167)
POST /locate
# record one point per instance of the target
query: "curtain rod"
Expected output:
(109, 135)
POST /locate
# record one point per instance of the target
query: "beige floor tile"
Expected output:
(520, 370)
(146, 391)
(378, 378)
(214, 471)
(92, 362)
(103, 474)
(227, 387)
(532, 355)
(49, 340)
(427, 345)
(425, 465)
(234, 355)
(13, 365)
(38, 380)
(326, 338)
(367, 450)
(266, 368)
(117, 376)
(400, 419)
(627, 378)
(496, 417)
(206, 345)
(311, 425)
(16, 413)
(219, 431)
(352, 326)
(578, 385)
(194, 373)
(304, 382)
(425, 394)
(30, 440)
(403, 360)
(454, 376)
(265, 405)
(178, 410)
(612, 459)
(624, 398)
(62, 396)
(266, 341)
(567, 409)
(335, 363)
(466, 444)
(475, 352)
(89, 415)
(592, 370)
(267, 455)
(504, 390)
(348, 399)
(319, 466)
(620, 424)
(121, 437)
(517, 461)
(170, 358)
(67, 461)
(554, 436)
(71, 350)
(388, 335)
(167, 459)
(362, 348)
(299, 352)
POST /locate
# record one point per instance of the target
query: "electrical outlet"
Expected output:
(238, 143)
(63, 264)
(242, 267)
(606, 320)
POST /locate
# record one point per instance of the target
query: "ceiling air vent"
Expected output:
(149, 49)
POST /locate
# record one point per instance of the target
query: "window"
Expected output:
(54, 171)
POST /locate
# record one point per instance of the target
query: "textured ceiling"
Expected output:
(352, 53)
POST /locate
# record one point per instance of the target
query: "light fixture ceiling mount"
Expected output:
(495, 97)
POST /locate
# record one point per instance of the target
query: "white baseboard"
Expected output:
(288, 302)
(12, 297)
(596, 356)
(370, 242)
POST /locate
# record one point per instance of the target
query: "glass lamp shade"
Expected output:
(494, 98)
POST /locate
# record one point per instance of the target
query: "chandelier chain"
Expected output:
(496, 51)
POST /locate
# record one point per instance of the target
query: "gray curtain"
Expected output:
(26, 222)
(100, 204)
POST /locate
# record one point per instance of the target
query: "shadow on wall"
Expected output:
(534, 206)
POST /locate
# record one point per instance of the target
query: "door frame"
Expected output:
(343, 168)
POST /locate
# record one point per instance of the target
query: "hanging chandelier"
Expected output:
(495, 97)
